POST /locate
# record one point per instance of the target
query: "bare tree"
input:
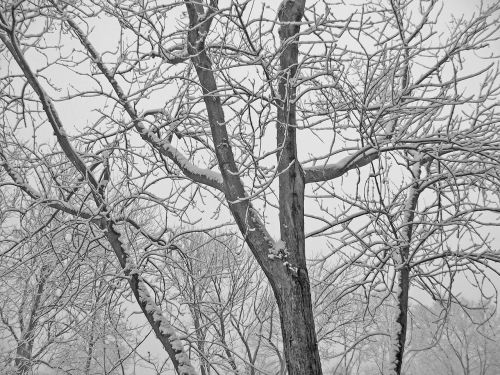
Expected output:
(230, 308)
(460, 340)
(341, 121)
(52, 293)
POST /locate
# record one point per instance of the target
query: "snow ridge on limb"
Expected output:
(204, 176)
(395, 345)
(175, 54)
(402, 260)
(164, 331)
(331, 171)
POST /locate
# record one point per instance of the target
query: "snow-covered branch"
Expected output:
(335, 170)
(175, 54)
(200, 175)
(49, 109)
(160, 324)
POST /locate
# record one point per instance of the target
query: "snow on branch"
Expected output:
(184, 367)
(49, 109)
(395, 346)
(205, 176)
(278, 251)
(331, 171)
(164, 331)
(175, 54)
(200, 175)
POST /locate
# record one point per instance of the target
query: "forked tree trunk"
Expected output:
(293, 294)
(286, 273)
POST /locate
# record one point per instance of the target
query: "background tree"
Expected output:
(55, 301)
(231, 309)
(459, 340)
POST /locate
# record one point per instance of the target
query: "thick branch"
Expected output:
(291, 176)
(161, 327)
(49, 109)
(248, 220)
(332, 171)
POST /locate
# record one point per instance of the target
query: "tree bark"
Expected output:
(294, 293)
(297, 326)
(402, 318)
(404, 271)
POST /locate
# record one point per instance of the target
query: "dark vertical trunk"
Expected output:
(99, 288)
(122, 367)
(404, 271)
(90, 347)
(229, 355)
(293, 295)
(200, 342)
(402, 318)
(200, 331)
(297, 326)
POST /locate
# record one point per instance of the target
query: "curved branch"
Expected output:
(196, 174)
(331, 171)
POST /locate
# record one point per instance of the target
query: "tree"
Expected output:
(260, 113)
(54, 300)
(230, 308)
(459, 340)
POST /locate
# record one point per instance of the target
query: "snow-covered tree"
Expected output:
(337, 138)
(55, 299)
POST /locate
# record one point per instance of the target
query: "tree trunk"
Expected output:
(402, 318)
(294, 293)
(297, 326)
(404, 272)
